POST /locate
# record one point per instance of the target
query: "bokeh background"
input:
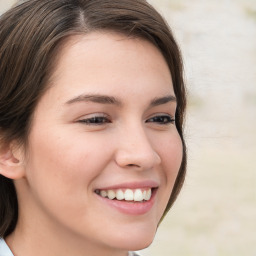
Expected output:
(215, 214)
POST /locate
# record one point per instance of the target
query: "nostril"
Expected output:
(133, 165)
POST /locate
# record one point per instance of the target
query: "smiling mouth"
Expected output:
(129, 195)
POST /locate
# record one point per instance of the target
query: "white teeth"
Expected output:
(111, 194)
(119, 194)
(103, 193)
(148, 196)
(137, 195)
(128, 195)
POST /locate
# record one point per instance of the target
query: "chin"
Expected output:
(140, 245)
(137, 240)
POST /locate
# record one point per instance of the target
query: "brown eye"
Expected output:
(96, 120)
(162, 119)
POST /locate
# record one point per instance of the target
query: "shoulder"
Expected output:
(4, 249)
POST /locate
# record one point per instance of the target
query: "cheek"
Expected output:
(60, 173)
(62, 164)
(171, 155)
(170, 150)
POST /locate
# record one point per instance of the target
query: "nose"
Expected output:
(135, 150)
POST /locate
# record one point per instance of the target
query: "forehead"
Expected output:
(107, 61)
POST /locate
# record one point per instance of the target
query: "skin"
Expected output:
(67, 159)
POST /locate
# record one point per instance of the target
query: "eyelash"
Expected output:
(161, 119)
(95, 120)
(101, 120)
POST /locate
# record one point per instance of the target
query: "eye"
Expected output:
(161, 119)
(95, 120)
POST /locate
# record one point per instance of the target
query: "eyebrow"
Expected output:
(105, 99)
(162, 100)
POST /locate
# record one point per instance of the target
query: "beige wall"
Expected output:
(5, 4)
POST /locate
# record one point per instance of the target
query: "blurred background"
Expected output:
(215, 214)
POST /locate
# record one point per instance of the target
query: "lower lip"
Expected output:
(131, 207)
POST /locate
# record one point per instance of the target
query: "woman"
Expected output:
(92, 103)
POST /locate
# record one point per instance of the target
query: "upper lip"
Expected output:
(132, 185)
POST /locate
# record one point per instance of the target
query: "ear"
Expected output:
(11, 162)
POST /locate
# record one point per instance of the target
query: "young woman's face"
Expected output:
(103, 151)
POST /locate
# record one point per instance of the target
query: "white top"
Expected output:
(130, 254)
(5, 250)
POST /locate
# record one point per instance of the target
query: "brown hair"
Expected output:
(31, 34)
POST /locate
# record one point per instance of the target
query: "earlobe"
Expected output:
(11, 163)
